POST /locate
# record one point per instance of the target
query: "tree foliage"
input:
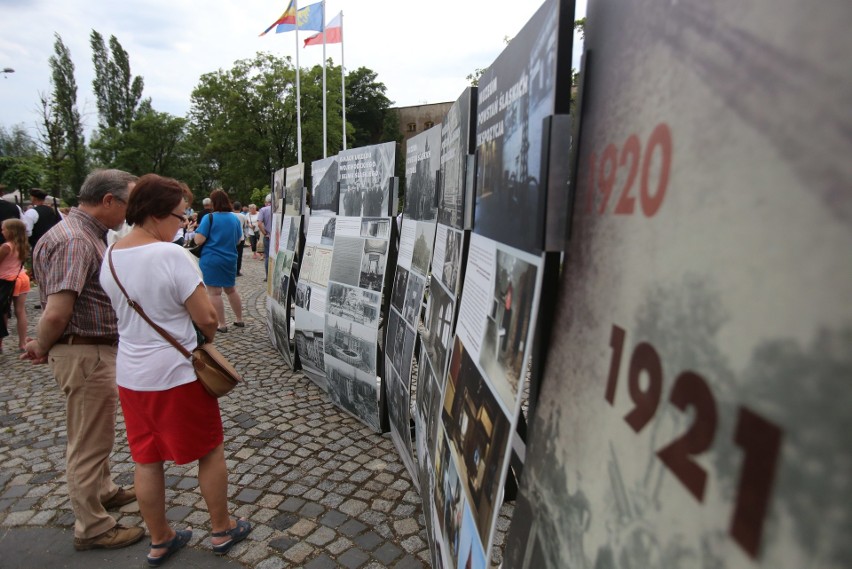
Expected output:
(65, 101)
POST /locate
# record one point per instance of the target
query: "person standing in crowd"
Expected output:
(8, 210)
(13, 253)
(238, 212)
(220, 232)
(251, 229)
(264, 225)
(79, 333)
(40, 217)
(168, 413)
(19, 306)
(206, 207)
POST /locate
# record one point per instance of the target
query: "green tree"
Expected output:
(52, 139)
(65, 98)
(21, 163)
(118, 92)
(367, 109)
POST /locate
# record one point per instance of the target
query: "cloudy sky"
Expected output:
(422, 51)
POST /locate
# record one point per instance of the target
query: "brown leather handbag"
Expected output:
(213, 369)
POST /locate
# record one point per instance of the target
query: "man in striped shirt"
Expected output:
(78, 337)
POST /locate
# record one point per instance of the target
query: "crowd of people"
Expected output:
(97, 268)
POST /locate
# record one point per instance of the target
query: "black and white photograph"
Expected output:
(478, 431)
(306, 268)
(294, 190)
(353, 390)
(281, 330)
(351, 343)
(399, 413)
(438, 333)
(278, 188)
(373, 263)
(324, 178)
(328, 226)
(509, 187)
(310, 328)
(303, 295)
(507, 325)
(376, 227)
(346, 261)
(293, 234)
(403, 352)
(281, 276)
(413, 299)
(392, 329)
(364, 180)
(456, 145)
(452, 260)
(423, 243)
(355, 304)
(400, 280)
(422, 161)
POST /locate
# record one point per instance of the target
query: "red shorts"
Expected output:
(181, 424)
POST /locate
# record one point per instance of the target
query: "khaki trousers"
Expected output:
(86, 375)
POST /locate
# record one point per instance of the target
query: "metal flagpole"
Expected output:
(343, 80)
(324, 127)
(298, 93)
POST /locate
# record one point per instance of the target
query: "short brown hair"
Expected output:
(155, 196)
(220, 200)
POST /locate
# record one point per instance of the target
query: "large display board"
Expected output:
(482, 395)
(312, 289)
(356, 282)
(417, 236)
(695, 409)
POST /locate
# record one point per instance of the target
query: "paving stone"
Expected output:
(283, 521)
(353, 507)
(368, 541)
(302, 528)
(352, 558)
(299, 552)
(248, 495)
(339, 546)
(321, 562)
(178, 513)
(333, 518)
(406, 526)
(351, 528)
(271, 563)
(311, 510)
(413, 544)
(291, 504)
(387, 553)
(409, 562)
(321, 536)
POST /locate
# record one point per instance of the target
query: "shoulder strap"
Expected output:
(135, 306)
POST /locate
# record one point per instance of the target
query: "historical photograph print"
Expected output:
(324, 178)
(403, 352)
(303, 295)
(373, 261)
(293, 234)
(354, 390)
(413, 299)
(364, 180)
(438, 324)
(451, 266)
(507, 328)
(515, 94)
(423, 243)
(422, 161)
(351, 343)
(278, 187)
(400, 280)
(478, 431)
(294, 190)
(355, 304)
(281, 330)
(376, 227)
(455, 147)
(399, 415)
(393, 329)
(310, 328)
(346, 261)
(327, 234)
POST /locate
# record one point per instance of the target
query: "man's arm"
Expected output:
(30, 219)
(57, 314)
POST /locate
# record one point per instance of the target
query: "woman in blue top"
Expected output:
(219, 256)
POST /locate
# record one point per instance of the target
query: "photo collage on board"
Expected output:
(281, 280)
(312, 288)
(481, 396)
(356, 281)
(417, 236)
(444, 289)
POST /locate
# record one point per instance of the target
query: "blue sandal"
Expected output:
(178, 542)
(238, 533)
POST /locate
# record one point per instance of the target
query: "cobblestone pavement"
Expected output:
(321, 489)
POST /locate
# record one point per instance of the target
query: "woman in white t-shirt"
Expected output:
(168, 414)
(251, 229)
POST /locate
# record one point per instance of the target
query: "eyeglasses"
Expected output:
(180, 217)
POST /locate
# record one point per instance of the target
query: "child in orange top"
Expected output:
(13, 253)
